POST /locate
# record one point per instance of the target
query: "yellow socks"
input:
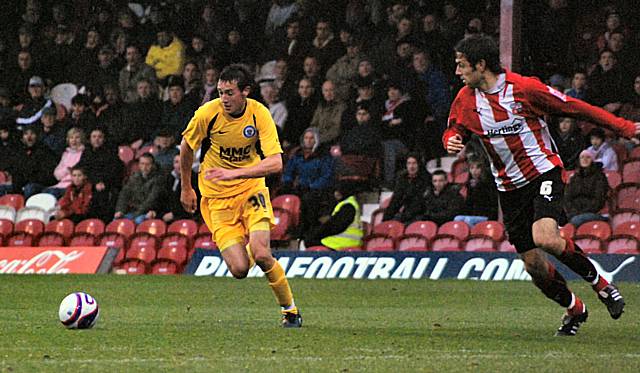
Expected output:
(280, 286)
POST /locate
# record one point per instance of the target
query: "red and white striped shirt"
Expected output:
(508, 120)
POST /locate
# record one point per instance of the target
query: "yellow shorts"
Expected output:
(231, 219)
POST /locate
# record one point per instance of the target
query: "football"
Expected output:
(79, 311)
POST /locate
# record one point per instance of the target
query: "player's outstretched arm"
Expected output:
(270, 165)
(188, 197)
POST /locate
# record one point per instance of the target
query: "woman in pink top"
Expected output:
(70, 157)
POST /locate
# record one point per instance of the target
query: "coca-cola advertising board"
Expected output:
(56, 260)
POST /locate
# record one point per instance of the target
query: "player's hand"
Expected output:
(220, 174)
(455, 145)
(189, 200)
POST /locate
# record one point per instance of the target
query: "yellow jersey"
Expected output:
(229, 142)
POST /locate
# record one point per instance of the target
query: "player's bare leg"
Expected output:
(547, 237)
(260, 246)
(237, 260)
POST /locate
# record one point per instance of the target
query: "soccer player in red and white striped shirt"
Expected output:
(505, 110)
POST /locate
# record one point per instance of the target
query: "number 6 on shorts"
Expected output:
(546, 188)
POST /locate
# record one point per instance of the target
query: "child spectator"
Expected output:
(586, 193)
(602, 150)
(481, 203)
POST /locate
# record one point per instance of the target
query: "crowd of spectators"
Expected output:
(370, 80)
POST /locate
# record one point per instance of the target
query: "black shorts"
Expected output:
(542, 198)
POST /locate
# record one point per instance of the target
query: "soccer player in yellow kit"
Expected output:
(240, 147)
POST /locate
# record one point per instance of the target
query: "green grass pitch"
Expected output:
(185, 324)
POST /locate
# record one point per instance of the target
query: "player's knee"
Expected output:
(239, 272)
(264, 260)
(547, 242)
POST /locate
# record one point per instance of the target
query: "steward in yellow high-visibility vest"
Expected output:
(344, 228)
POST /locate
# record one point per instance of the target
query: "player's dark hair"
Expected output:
(237, 73)
(481, 47)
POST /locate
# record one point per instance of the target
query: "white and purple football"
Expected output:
(79, 311)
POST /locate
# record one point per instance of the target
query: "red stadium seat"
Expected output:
(283, 223)
(317, 248)
(635, 152)
(31, 226)
(628, 196)
(174, 248)
(142, 247)
(413, 243)
(613, 178)
(457, 229)
(589, 244)
(20, 239)
(155, 227)
(506, 247)
(290, 203)
(134, 267)
(479, 244)
(203, 229)
(621, 151)
(6, 227)
(50, 239)
(119, 256)
(63, 227)
(446, 244)
(623, 245)
(630, 228)
(379, 243)
(186, 227)
(352, 249)
(489, 228)
(125, 227)
(13, 200)
(82, 239)
(94, 227)
(204, 241)
(625, 216)
(390, 228)
(631, 171)
(360, 168)
(424, 228)
(598, 229)
(125, 153)
(112, 240)
(567, 231)
(164, 268)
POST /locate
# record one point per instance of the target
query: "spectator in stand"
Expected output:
(325, 46)
(432, 37)
(7, 112)
(602, 150)
(481, 203)
(280, 12)
(52, 132)
(9, 145)
(112, 115)
(192, 82)
(343, 72)
(176, 111)
(106, 72)
(142, 115)
(363, 137)
(389, 43)
(32, 165)
(81, 115)
(70, 157)
(166, 150)
(103, 167)
(134, 71)
(442, 202)
(432, 86)
(453, 25)
(309, 174)
(412, 183)
(311, 70)
(344, 227)
(80, 201)
(82, 65)
(625, 56)
(578, 86)
(292, 44)
(631, 109)
(300, 108)
(586, 193)
(270, 94)
(33, 107)
(398, 126)
(171, 209)
(328, 114)
(167, 55)
(197, 51)
(608, 84)
(568, 140)
(140, 196)
(210, 87)
(366, 95)
(237, 49)
(21, 76)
